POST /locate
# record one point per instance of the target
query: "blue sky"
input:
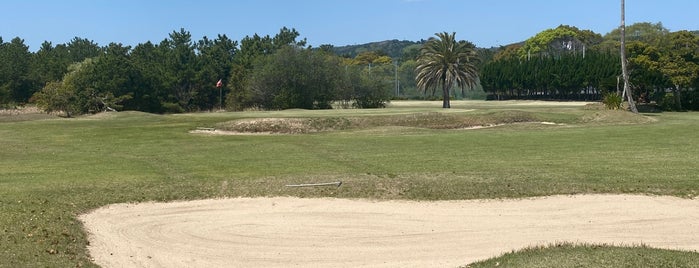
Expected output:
(337, 22)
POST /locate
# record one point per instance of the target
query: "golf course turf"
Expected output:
(54, 169)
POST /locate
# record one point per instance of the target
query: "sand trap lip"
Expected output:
(286, 231)
(212, 131)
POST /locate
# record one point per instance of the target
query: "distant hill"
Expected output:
(392, 48)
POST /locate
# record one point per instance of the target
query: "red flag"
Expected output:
(219, 83)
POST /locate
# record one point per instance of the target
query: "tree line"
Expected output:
(564, 77)
(566, 63)
(179, 74)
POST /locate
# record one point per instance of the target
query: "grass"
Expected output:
(429, 120)
(54, 169)
(584, 255)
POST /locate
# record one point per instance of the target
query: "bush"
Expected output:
(292, 78)
(612, 101)
(690, 100)
(171, 107)
(370, 90)
(667, 102)
(55, 97)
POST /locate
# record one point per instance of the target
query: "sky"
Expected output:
(486, 23)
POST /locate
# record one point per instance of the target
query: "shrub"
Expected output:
(370, 90)
(667, 102)
(612, 101)
(56, 97)
(171, 107)
(690, 100)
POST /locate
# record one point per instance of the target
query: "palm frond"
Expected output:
(445, 62)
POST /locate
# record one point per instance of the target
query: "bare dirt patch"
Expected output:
(288, 232)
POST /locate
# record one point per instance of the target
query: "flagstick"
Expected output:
(219, 85)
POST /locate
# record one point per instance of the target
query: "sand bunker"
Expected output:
(294, 232)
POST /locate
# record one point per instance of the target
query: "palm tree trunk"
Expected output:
(445, 92)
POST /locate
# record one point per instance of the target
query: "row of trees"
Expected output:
(568, 63)
(279, 72)
(22, 73)
(178, 75)
(565, 77)
(81, 76)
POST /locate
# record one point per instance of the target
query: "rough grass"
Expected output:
(428, 120)
(564, 255)
(53, 170)
(23, 114)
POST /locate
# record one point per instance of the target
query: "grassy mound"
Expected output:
(286, 125)
(585, 255)
(428, 120)
(614, 117)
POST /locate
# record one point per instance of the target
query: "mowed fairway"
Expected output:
(53, 170)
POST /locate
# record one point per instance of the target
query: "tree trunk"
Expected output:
(678, 100)
(624, 70)
(445, 92)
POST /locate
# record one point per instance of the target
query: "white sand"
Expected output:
(294, 232)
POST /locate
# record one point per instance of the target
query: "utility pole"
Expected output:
(397, 83)
(624, 67)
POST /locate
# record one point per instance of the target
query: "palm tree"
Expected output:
(446, 62)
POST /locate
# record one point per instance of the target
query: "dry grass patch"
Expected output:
(425, 120)
(285, 125)
(25, 113)
(20, 110)
(428, 120)
(615, 117)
